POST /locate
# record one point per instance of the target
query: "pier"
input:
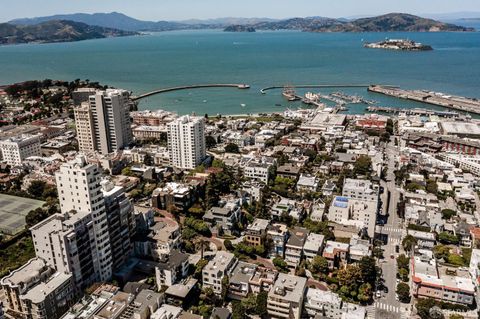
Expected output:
(434, 98)
(189, 87)
(415, 111)
(320, 86)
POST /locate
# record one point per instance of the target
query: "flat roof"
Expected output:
(38, 293)
(288, 287)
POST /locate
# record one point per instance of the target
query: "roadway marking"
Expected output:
(392, 229)
(387, 307)
(394, 240)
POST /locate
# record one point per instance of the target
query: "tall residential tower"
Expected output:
(186, 142)
(103, 123)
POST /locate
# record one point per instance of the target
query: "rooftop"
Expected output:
(288, 287)
(259, 225)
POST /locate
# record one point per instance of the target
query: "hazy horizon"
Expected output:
(178, 10)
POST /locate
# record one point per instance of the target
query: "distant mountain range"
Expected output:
(388, 22)
(80, 26)
(55, 31)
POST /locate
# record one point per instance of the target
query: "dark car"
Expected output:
(397, 249)
(385, 289)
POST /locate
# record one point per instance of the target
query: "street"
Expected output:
(387, 306)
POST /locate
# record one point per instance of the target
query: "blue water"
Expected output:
(259, 59)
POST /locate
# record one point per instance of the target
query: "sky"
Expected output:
(202, 9)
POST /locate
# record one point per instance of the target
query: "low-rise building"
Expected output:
(279, 235)
(171, 269)
(285, 299)
(294, 246)
(239, 281)
(443, 284)
(321, 303)
(15, 150)
(256, 232)
(313, 246)
(37, 291)
(180, 196)
(363, 213)
(213, 273)
(336, 253)
(224, 217)
(360, 189)
(307, 183)
(424, 239)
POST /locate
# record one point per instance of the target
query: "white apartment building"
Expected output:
(67, 243)
(355, 212)
(186, 141)
(360, 189)
(285, 299)
(222, 264)
(103, 124)
(15, 150)
(258, 171)
(77, 241)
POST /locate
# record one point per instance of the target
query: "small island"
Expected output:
(399, 44)
(239, 28)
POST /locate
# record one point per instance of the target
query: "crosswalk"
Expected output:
(394, 241)
(387, 307)
(390, 229)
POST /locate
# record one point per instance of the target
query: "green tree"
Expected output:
(261, 308)
(362, 165)
(441, 251)
(36, 188)
(225, 285)
(448, 213)
(447, 238)
(409, 243)
(232, 148)
(403, 292)
(403, 274)
(368, 269)
(319, 265)
(238, 312)
(280, 264)
(35, 216)
(365, 292)
(403, 261)
(228, 245)
(432, 187)
(210, 141)
(424, 306)
(456, 316)
(249, 304)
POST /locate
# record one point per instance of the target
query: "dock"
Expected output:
(414, 111)
(459, 103)
(189, 87)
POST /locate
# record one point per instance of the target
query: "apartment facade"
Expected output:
(37, 291)
(15, 150)
(120, 220)
(186, 141)
(80, 190)
(103, 123)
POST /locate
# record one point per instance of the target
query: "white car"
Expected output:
(378, 294)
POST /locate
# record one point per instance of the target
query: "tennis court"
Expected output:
(13, 210)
